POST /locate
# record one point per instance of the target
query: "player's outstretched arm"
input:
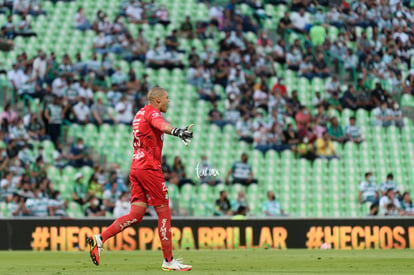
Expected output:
(184, 134)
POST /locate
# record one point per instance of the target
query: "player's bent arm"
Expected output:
(168, 128)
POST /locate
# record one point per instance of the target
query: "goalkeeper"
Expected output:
(147, 180)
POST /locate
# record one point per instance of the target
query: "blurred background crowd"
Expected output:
(308, 79)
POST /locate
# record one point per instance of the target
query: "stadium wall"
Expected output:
(69, 235)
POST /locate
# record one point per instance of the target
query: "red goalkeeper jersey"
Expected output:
(148, 132)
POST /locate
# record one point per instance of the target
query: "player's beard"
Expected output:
(164, 108)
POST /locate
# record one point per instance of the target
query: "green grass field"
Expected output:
(214, 262)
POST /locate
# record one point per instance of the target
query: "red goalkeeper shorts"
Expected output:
(148, 186)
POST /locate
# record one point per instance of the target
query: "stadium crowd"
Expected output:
(243, 73)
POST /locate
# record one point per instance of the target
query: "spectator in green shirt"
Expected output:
(94, 188)
(335, 131)
(187, 29)
(334, 102)
(318, 34)
(52, 69)
(38, 170)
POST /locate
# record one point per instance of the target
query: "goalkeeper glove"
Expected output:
(185, 134)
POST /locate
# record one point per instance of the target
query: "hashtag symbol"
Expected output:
(40, 238)
(315, 235)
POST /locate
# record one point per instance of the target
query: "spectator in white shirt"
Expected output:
(28, 83)
(84, 90)
(215, 14)
(59, 158)
(332, 85)
(155, 58)
(260, 99)
(238, 76)
(294, 58)
(119, 77)
(396, 115)
(81, 112)
(124, 111)
(122, 205)
(352, 131)
(261, 139)
(389, 205)
(300, 21)
(306, 68)
(39, 67)
(351, 60)
(233, 88)
(15, 77)
(21, 6)
(389, 183)
(135, 13)
(400, 35)
(81, 21)
(206, 90)
(368, 190)
(382, 116)
(57, 206)
(163, 16)
(279, 54)
(59, 86)
(100, 43)
(24, 27)
(244, 128)
(173, 59)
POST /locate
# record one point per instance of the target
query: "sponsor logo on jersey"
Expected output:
(154, 115)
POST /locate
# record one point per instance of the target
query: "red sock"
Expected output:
(135, 215)
(164, 230)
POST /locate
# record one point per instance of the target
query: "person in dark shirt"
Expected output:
(230, 10)
(171, 42)
(94, 209)
(187, 29)
(224, 44)
(379, 95)
(223, 206)
(291, 137)
(320, 68)
(193, 57)
(293, 104)
(166, 169)
(284, 23)
(79, 155)
(247, 102)
(364, 96)
(12, 149)
(299, 4)
(349, 99)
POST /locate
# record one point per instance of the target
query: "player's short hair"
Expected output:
(155, 92)
(390, 176)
